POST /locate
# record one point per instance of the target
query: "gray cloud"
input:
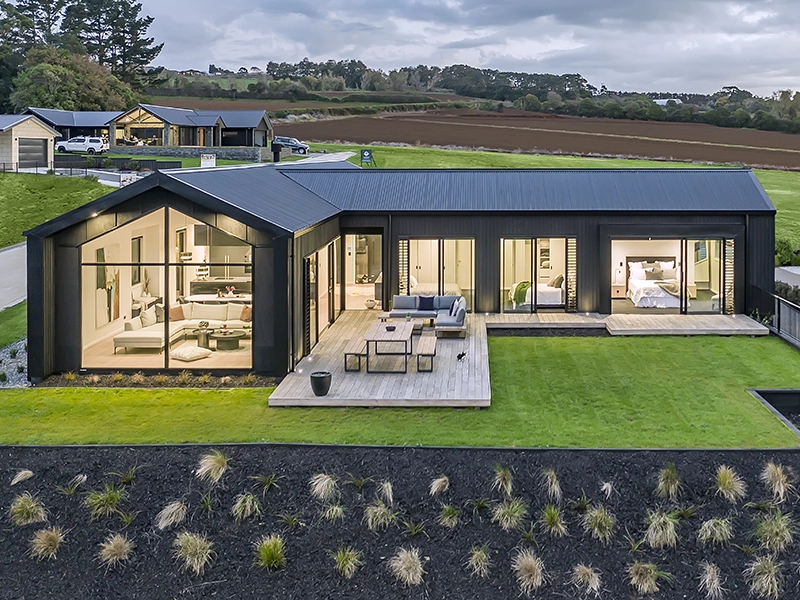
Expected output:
(644, 45)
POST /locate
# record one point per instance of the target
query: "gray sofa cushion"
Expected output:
(444, 302)
(408, 303)
(448, 321)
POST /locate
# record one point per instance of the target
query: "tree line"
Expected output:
(75, 54)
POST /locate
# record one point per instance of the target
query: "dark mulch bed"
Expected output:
(548, 332)
(183, 379)
(794, 418)
(166, 473)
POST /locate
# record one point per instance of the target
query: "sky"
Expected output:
(632, 45)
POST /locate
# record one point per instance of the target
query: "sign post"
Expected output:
(367, 158)
(208, 160)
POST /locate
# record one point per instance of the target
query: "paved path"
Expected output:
(13, 266)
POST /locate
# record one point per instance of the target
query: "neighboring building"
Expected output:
(302, 245)
(70, 123)
(665, 101)
(151, 125)
(25, 142)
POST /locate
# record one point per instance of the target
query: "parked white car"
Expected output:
(87, 144)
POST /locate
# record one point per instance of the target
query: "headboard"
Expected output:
(630, 259)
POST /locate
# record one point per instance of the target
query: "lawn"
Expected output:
(186, 163)
(13, 324)
(570, 392)
(28, 200)
(783, 187)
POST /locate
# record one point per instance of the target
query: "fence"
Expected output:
(78, 165)
(784, 317)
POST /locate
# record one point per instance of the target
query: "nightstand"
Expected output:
(617, 290)
(691, 289)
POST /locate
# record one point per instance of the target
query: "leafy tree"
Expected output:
(587, 108)
(58, 79)
(44, 17)
(530, 103)
(613, 110)
(741, 118)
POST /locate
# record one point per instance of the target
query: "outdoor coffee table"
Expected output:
(228, 340)
(402, 333)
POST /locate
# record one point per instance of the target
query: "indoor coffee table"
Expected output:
(229, 339)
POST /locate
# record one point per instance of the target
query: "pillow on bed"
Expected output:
(635, 265)
(654, 274)
(670, 273)
(552, 281)
(559, 280)
(670, 264)
(638, 274)
(413, 281)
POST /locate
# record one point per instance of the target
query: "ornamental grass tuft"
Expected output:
(323, 487)
(529, 571)
(171, 515)
(479, 561)
(347, 560)
(21, 476)
(194, 551)
(711, 581)
(378, 515)
(270, 552)
(551, 485)
(644, 577)
(765, 576)
(115, 550)
(717, 531)
(503, 480)
(333, 512)
(662, 529)
(669, 482)
(509, 514)
(245, 505)
(448, 516)
(26, 509)
(105, 502)
(439, 485)
(778, 480)
(551, 521)
(599, 522)
(729, 484)
(406, 566)
(774, 531)
(586, 579)
(212, 467)
(46, 543)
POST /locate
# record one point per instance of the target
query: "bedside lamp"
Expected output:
(619, 275)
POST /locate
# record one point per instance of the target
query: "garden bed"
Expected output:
(164, 474)
(181, 379)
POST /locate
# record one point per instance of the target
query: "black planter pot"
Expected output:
(320, 382)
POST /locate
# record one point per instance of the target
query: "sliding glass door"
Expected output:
(538, 274)
(431, 267)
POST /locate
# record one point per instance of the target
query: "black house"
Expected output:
(243, 268)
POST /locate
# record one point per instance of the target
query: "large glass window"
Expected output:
(438, 267)
(363, 271)
(704, 276)
(537, 274)
(148, 307)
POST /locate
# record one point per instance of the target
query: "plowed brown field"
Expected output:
(515, 130)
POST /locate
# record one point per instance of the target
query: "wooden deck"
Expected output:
(466, 383)
(683, 325)
(452, 383)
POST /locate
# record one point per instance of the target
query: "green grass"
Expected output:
(186, 163)
(783, 187)
(28, 200)
(573, 392)
(13, 324)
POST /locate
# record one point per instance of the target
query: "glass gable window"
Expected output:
(147, 306)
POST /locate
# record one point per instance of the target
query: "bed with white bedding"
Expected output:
(649, 294)
(647, 278)
(432, 289)
(545, 295)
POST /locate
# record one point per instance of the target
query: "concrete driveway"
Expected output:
(13, 266)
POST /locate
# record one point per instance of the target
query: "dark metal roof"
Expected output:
(671, 190)
(261, 190)
(238, 119)
(69, 118)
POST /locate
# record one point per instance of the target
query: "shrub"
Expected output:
(600, 523)
(765, 577)
(13, 353)
(479, 561)
(729, 485)
(478, 505)
(26, 510)
(510, 513)
(551, 521)
(529, 570)
(413, 528)
(348, 561)
(20, 369)
(106, 502)
(440, 485)
(774, 531)
(270, 552)
(117, 377)
(777, 479)
(503, 480)
(378, 515)
(212, 467)
(266, 482)
(333, 512)
(661, 529)
(711, 581)
(644, 577)
(21, 476)
(115, 550)
(194, 550)
(245, 506)
(138, 378)
(551, 485)
(184, 377)
(586, 579)
(291, 520)
(448, 517)
(172, 514)
(46, 543)
(582, 504)
(718, 530)
(3, 377)
(406, 566)
(126, 477)
(358, 482)
(669, 482)
(323, 487)
(70, 376)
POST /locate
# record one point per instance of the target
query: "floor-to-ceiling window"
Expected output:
(537, 274)
(166, 291)
(363, 271)
(430, 267)
(322, 290)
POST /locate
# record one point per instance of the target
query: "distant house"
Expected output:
(69, 123)
(151, 125)
(665, 101)
(25, 142)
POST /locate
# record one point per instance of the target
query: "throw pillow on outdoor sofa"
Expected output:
(425, 303)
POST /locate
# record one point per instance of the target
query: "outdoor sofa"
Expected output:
(449, 312)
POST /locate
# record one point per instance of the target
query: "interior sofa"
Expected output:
(449, 312)
(147, 330)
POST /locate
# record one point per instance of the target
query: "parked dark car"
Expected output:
(296, 145)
